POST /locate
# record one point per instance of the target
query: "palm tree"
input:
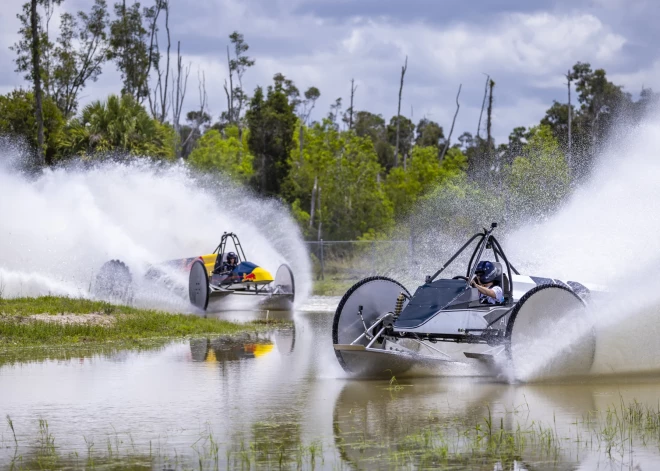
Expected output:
(119, 125)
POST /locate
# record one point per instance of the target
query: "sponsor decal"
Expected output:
(249, 277)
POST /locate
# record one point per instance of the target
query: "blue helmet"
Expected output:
(487, 271)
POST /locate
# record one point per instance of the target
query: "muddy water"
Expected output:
(279, 400)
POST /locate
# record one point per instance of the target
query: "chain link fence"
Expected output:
(354, 259)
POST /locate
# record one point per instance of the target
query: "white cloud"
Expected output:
(648, 77)
(526, 54)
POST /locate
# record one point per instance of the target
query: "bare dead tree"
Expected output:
(398, 113)
(179, 86)
(160, 103)
(200, 116)
(36, 76)
(458, 107)
(229, 90)
(569, 77)
(489, 121)
(311, 95)
(350, 110)
(483, 104)
(405, 156)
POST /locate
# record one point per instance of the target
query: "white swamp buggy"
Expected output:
(541, 329)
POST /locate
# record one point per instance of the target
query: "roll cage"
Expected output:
(484, 241)
(222, 246)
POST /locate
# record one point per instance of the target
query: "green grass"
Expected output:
(129, 324)
(498, 441)
(332, 286)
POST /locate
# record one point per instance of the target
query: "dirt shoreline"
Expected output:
(95, 319)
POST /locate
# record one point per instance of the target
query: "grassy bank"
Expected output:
(50, 321)
(332, 286)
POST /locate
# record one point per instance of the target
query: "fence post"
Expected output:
(322, 262)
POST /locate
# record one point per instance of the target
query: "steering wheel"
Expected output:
(459, 277)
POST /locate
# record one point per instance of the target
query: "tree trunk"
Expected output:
(490, 115)
(483, 105)
(570, 113)
(398, 114)
(230, 93)
(36, 73)
(318, 195)
(313, 202)
(350, 114)
(458, 107)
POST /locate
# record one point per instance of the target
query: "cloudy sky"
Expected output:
(526, 46)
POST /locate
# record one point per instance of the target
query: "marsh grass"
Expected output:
(491, 442)
(129, 325)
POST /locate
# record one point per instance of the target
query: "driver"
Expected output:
(486, 282)
(231, 263)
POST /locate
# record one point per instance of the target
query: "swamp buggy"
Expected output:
(209, 283)
(542, 328)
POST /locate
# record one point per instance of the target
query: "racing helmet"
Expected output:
(230, 256)
(487, 271)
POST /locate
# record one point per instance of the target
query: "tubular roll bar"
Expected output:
(220, 249)
(486, 241)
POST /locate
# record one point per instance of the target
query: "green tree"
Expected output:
(76, 57)
(456, 207)
(238, 65)
(272, 122)
(79, 54)
(406, 135)
(130, 50)
(373, 126)
(338, 174)
(119, 125)
(539, 179)
(405, 187)
(189, 134)
(227, 154)
(18, 120)
(33, 50)
(602, 105)
(429, 133)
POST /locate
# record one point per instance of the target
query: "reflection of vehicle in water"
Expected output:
(227, 349)
(211, 279)
(379, 328)
(372, 426)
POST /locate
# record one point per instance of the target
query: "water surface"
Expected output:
(279, 399)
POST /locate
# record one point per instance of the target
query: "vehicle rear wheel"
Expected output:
(550, 334)
(284, 282)
(114, 282)
(377, 295)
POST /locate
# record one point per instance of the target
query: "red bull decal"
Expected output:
(249, 277)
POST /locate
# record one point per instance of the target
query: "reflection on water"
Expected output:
(278, 399)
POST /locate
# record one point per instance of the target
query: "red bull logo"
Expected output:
(249, 277)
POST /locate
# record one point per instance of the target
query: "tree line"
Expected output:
(350, 174)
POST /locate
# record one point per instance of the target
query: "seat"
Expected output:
(503, 280)
(219, 263)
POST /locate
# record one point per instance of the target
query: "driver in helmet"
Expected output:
(230, 263)
(486, 281)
